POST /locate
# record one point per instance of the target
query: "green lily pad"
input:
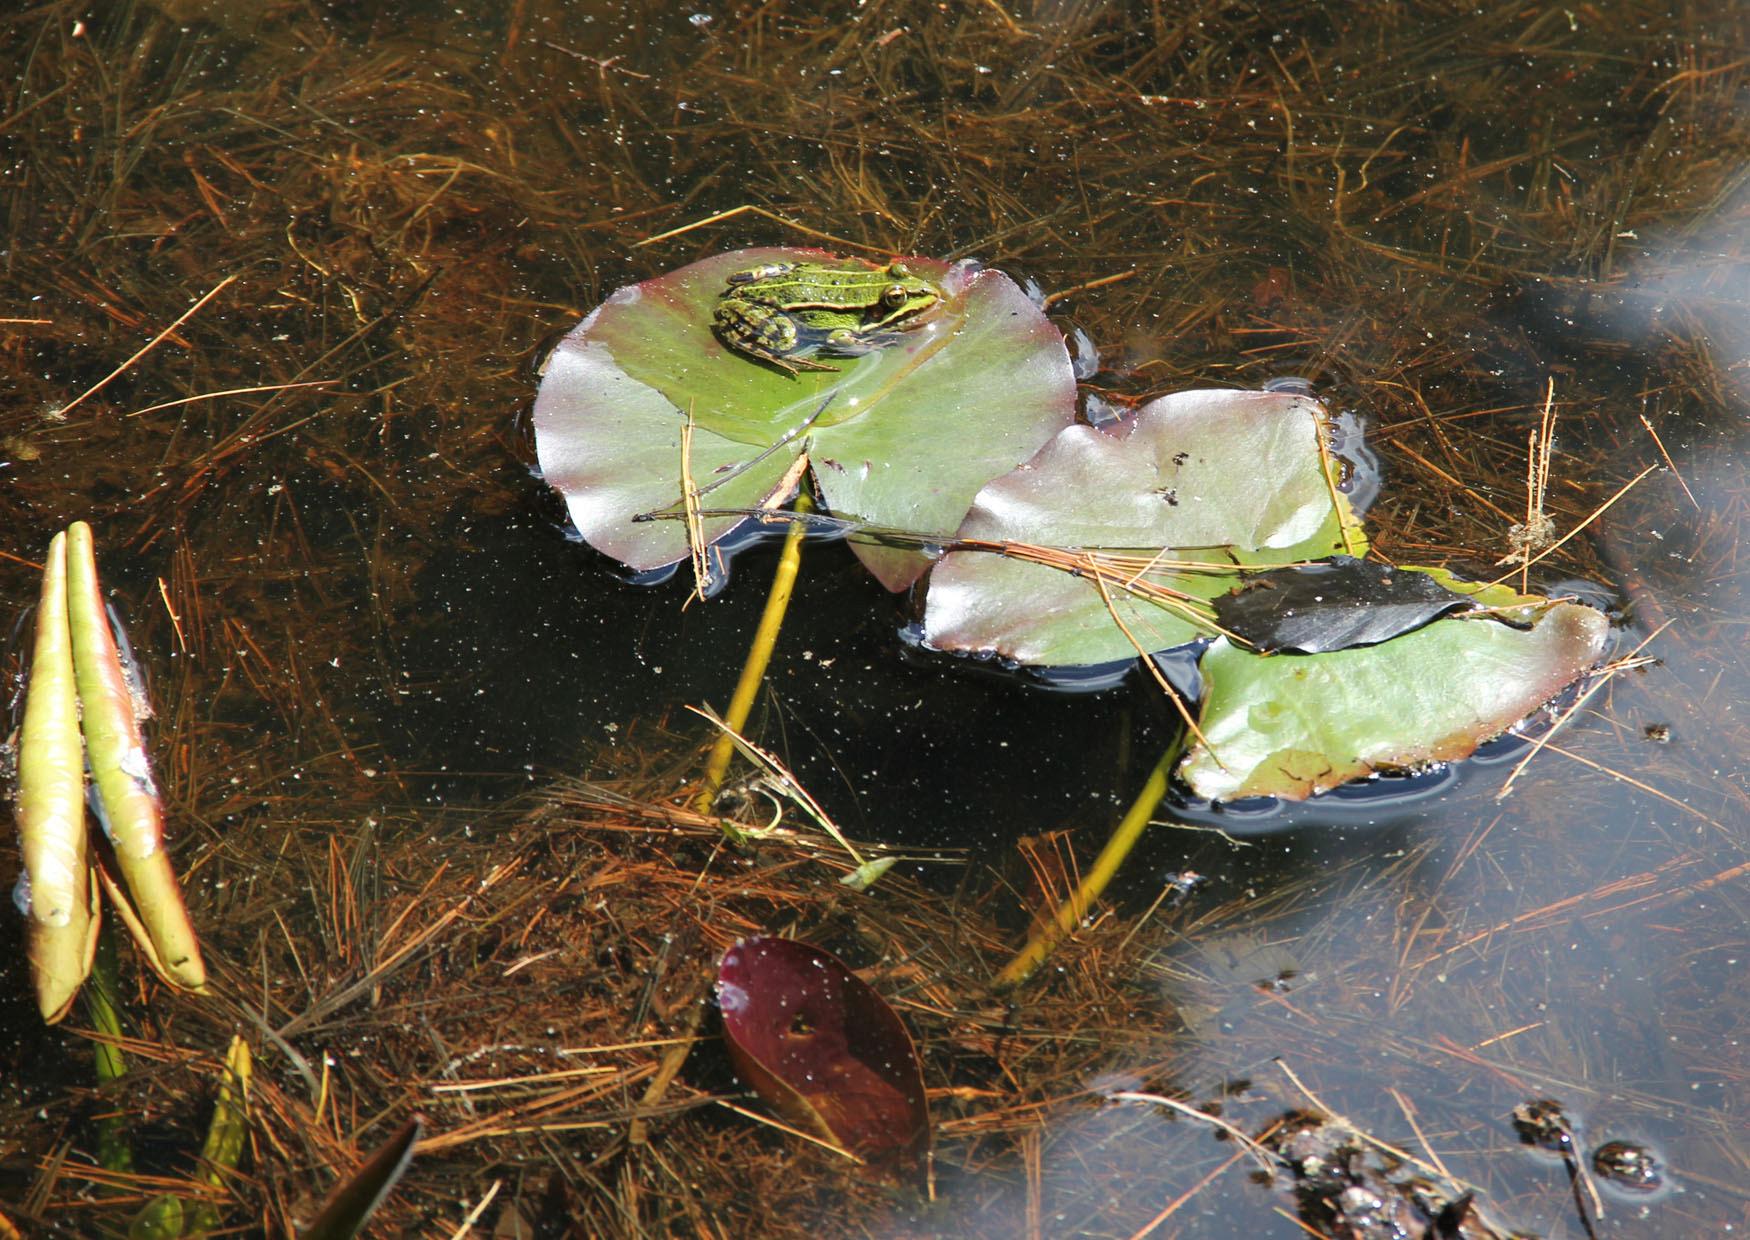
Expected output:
(900, 437)
(1221, 478)
(1292, 726)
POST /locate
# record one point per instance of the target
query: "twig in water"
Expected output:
(1425, 1167)
(1604, 677)
(1597, 512)
(749, 208)
(242, 391)
(1053, 298)
(1257, 1151)
(696, 547)
(1160, 677)
(783, 780)
(795, 1132)
(1672, 465)
(473, 1216)
(144, 349)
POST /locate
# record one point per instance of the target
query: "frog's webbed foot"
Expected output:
(785, 362)
(790, 365)
(759, 333)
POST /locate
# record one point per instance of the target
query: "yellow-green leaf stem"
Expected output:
(114, 1151)
(1070, 913)
(50, 806)
(229, 1131)
(119, 767)
(753, 671)
(168, 1215)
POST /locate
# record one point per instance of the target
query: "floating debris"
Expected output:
(1542, 1123)
(1349, 1189)
(1629, 1165)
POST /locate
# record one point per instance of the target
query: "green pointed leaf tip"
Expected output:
(1206, 476)
(223, 1148)
(909, 432)
(159, 1219)
(1292, 726)
(352, 1202)
(868, 874)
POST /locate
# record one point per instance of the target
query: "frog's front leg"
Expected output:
(855, 341)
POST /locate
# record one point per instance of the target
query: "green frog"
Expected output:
(778, 310)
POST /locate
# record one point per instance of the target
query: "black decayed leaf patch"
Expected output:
(1332, 606)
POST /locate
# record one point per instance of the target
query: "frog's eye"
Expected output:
(894, 296)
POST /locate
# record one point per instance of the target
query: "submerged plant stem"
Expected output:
(114, 1150)
(1072, 910)
(753, 671)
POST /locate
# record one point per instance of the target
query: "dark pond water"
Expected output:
(356, 603)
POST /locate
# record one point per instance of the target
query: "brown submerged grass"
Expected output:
(1430, 212)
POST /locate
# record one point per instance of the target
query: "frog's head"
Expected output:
(906, 294)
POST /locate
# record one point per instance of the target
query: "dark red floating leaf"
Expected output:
(818, 1044)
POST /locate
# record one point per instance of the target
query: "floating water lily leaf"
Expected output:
(818, 1044)
(1345, 602)
(1292, 726)
(1213, 477)
(902, 436)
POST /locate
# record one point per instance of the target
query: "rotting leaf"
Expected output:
(900, 437)
(1345, 602)
(1292, 726)
(1347, 1184)
(1208, 478)
(823, 1048)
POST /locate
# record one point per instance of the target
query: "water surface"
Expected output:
(368, 630)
